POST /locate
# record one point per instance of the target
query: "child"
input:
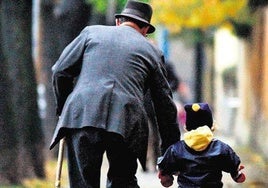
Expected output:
(199, 159)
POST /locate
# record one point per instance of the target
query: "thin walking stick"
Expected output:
(59, 164)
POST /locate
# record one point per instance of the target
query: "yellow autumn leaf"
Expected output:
(195, 13)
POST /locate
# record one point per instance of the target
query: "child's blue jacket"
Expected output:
(199, 168)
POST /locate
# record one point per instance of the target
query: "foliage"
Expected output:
(101, 5)
(257, 3)
(50, 174)
(202, 14)
(50, 178)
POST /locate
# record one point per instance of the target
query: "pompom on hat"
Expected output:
(198, 115)
(139, 11)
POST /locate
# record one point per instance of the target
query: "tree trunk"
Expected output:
(8, 141)
(60, 24)
(16, 32)
(256, 68)
(199, 65)
(48, 56)
(71, 17)
(111, 10)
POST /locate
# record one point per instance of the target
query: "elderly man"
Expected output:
(113, 67)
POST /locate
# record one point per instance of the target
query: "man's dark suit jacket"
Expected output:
(113, 66)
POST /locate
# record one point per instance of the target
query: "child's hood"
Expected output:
(198, 139)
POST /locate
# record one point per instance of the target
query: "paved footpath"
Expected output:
(150, 179)
(145, 179)
(256, 170)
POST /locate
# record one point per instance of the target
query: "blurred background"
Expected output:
(217, 50)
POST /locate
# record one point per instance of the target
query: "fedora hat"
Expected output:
(139, 11)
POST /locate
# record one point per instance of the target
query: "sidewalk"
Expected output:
(256, 170)
(150, 179)
(145, 179)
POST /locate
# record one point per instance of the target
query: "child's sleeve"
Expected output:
(168, 162)
(240, 176)
(164, 173)
(232, 165)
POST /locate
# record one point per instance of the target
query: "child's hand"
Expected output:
(165, 180)
(240, 178)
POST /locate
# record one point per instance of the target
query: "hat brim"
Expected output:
(151, 27)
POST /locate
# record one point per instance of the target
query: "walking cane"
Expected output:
(59, 163)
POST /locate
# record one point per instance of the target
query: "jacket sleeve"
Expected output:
(67, 67)
(231, 161)
(168, 163)
(165, 108)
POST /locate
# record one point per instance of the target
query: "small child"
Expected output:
(199, 159)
